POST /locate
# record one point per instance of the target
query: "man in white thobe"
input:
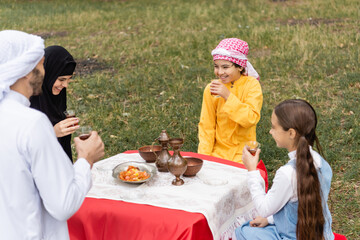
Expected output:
(39, 187)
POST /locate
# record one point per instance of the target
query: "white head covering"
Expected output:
(19, 54)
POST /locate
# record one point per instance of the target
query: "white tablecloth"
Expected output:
(218, 191)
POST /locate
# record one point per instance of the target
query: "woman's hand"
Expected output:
(66, 127)
(249, 160)
(218, 88)
(259, 222)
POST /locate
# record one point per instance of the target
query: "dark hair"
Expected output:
(238, 66)
(300, 116)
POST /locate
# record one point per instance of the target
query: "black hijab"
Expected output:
(58, 62)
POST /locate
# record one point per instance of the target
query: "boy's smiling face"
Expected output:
(226, 71)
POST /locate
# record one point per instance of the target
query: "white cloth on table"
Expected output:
(19, 54)
(39, 187)
(283, 189)
(218, 191)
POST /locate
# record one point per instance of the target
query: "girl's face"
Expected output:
(283, 139)
(60, 83)
(226, 71)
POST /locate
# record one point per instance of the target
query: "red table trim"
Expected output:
(339, 237)
(97, 219)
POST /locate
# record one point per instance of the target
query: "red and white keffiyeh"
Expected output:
(235, 50)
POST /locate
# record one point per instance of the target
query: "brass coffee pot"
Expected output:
(164, 156)
(177, 164)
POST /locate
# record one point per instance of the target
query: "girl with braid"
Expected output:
(296, 205)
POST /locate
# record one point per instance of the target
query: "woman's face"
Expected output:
(226, 71)
(60, 83)
(282, 138)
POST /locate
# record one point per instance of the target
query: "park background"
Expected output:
(143, 66)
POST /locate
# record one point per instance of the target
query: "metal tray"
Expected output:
(142, 166)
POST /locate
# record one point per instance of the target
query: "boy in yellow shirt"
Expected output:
(231, 104)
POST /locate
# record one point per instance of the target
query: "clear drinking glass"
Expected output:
(84, 132)
(252, 146)
(214, 94)
(70, 113)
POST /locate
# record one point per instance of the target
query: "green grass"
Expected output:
(154, 61)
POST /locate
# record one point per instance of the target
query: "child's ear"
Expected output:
(292, 133)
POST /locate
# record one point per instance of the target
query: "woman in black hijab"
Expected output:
(59, 67)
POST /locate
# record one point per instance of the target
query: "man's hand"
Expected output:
(92, 149)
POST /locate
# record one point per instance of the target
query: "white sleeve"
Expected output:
(268, 204)
(270, 219)
(61, 185)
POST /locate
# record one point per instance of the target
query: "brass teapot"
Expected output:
(164, 156)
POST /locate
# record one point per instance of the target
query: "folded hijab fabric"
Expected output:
(19, 54)
(58, 62)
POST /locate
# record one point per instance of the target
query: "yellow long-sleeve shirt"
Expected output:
(225, 125)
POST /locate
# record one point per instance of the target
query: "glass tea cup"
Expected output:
(84, 132)
(252, 146)
(214, 94)
(70, 113)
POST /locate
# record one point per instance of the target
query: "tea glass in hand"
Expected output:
(84, 132)
(70, 113)
(214, 94)
(252, 146)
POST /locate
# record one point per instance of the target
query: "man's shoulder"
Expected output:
(20, 112)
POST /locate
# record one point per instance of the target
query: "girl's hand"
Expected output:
(218, 88)
(259, 222)
(66, 127)
(249, 160)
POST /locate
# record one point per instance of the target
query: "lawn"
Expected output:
(143, 65)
